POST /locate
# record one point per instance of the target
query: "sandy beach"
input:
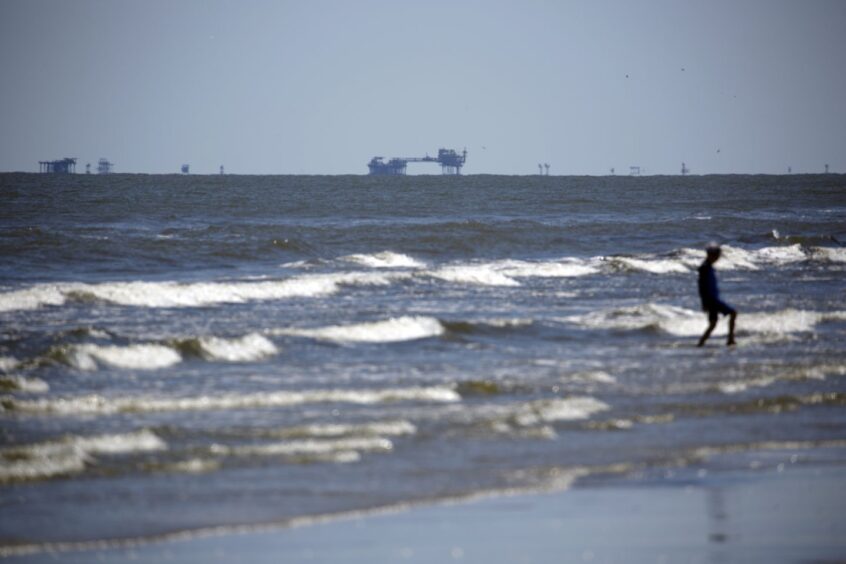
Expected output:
(784, 506)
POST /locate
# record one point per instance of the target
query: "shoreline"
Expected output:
(773, 506)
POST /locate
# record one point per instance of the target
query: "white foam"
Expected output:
(8, 363)
(502, 323)
(564, 268)
(635, 317)
(32, 298)
(247, 348)
(71, 454)
(385, 259)
(738, 386)
(687, 323)
(378, 428)
(28, 385)
(559, 409)
(781, 255)
(174, 294)
(831, 254)
(308, 447)
(137, 357)
(732, 258)
(139, 441)
(193, 466)
(655, 266)
(37, 466)
(483, 275)
(101, 405)
(406, 328)
(592, 376)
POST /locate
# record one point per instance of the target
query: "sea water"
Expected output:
(179, 353)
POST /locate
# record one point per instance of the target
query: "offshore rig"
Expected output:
(450, 161)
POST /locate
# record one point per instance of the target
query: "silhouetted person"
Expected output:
(710, 294)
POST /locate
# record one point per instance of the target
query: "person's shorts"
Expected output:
(718, 307)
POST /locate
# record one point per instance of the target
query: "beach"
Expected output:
(784, 507)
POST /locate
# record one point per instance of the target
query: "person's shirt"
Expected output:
(708, 290)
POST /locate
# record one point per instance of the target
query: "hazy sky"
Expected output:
(320, 87)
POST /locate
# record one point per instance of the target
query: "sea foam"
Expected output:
(564, 268)
(71, 454)
(23, 384)
(687, 323)
(95, 404)
(137, 357)
(248, 348)
(482, 275)
(175, 294)
(385, 259)
(406, 328)
(8, 363)
(308, 447)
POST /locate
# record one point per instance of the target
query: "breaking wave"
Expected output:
(498, 273)
(385, 259)
(199, 294)
(22, 384)
(335, 430)
(348, 449)
(71, 454)
(248, 348)
(8, 363)
(482, 275)
(136, 357)
(732, 258)
(406, 328)
(532, 419)
(96, 404)
(688, 323)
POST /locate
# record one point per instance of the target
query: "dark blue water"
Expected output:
(181, 352)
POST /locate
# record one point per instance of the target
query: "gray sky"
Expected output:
(320, 87)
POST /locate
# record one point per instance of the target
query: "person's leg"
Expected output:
(732, 317)
(712, 322)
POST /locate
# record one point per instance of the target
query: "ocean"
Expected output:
(194, 354)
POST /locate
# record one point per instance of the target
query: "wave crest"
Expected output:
(385, 259)
(397, 329)
(95, 404)
(71, 454)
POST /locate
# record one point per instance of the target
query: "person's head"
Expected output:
(713, 251)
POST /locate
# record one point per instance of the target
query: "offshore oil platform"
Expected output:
(450, 161)
(62, 166)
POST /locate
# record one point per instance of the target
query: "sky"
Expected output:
(322, 86)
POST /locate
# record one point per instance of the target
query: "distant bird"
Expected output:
(682, 69)
(627, 76)
(718, 150)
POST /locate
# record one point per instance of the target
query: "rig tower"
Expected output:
(104, 166)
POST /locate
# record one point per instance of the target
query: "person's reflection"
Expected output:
(717, 524)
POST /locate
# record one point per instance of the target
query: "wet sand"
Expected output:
(778, 510)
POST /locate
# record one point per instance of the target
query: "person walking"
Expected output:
(709, 292)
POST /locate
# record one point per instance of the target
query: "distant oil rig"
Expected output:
(451, 162)
(61, 166)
